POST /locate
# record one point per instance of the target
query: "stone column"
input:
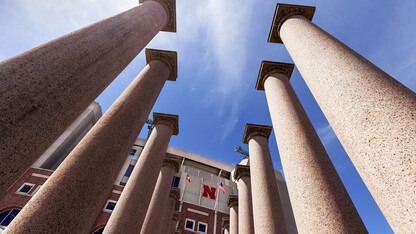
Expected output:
(233, 204)
(267, 206)
(130, 211)
(163, 201)
(245, 210)
(372, 114)
(78, 189)
(174, 220)
(45, 89)
(320, 201)
(226, 225)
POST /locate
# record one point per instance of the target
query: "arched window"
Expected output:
(98, 231)
(7, 216)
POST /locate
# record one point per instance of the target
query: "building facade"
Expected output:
(202, 205)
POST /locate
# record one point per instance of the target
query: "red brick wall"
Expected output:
(185, 213)
(14, 200)
(104, 216)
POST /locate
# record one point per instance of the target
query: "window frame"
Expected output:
(36, 190)
(174, 180)
(193, 224)
(206, 227)
(28, 192)
(106, 204)
(10, 210)
(128, 172)
(134, 151)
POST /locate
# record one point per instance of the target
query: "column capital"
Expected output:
(170, 58)
(252, 130)
(225, 223)
(175, 193)
(241, 171)
(176, 216)
(172, 162)
(170, 8)
(232, 201)
(284, 12)
(267, 68)
(172, 119)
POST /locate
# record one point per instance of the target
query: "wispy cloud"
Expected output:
(326, 134)
(211, 35)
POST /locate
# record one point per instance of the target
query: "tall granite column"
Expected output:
(267, 207)
(232, 202)
(174, 220)
(131, 208)
(372, 114)
(320, 201)
(171, 217)
(226, 225)
(245, 210)
(78, 189)
(45, 89)
(161, 204)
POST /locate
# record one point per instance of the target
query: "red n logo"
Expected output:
(209, 191)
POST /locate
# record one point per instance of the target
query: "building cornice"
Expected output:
(175, 193)
(252, 130)
(171, 120)
(176, 216)
(170, 58)
(284, 12)
(268, 68)
(225, 223)
(232, 201)
(241, 171)
(173, 163)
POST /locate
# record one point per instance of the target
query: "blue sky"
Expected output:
(220, 45)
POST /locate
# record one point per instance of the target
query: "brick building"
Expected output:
(202, 204)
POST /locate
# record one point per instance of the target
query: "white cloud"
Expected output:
(326, 134)
(211, 34)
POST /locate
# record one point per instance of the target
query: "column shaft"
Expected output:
(174, 218)
(78, 189)
(168, 225)
(320, 201)
(267, 207)
(172, 225)
(233, 220)
(245, 209)
(372, 114)
(45, 89)
(160, 205)
(130, 211)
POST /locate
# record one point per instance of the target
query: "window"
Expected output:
(109, 207)
(7, 216)
(133, 152)
(25, 188)
(98, 231)
(202, 227)
(129, 170)
(189, 224)
(175, 182)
